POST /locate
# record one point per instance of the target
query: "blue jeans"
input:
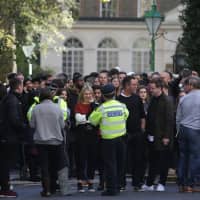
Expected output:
(189, 159)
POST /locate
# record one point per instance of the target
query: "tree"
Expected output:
(191, 28)
(24, 21)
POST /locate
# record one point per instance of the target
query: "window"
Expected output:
(141, 56)
(107, 54)
(108, 9)
(143, 5)
(73, 57)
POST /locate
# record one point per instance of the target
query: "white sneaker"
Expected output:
(147, 188)
(160, 188)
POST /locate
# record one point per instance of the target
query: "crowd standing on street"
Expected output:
(54, 128)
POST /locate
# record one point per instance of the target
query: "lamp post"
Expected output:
(28, 50)
(153, 21)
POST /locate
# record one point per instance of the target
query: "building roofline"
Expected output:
(112, 19)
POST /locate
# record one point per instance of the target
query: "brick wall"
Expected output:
(124, 8)
(164, 6)
(89, 8)
(127, 8)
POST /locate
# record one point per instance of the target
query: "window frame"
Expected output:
(69, 62)
(109, 12)
(107, 60)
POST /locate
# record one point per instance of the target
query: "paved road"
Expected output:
(31, 192)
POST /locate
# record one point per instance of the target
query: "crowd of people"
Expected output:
(53, 128)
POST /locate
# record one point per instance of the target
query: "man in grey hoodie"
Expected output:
(47, 120)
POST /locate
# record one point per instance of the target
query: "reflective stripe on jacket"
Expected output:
(29, 113)
(111, 116)
(62, 104)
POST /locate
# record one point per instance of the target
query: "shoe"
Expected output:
(160, 188)
(109, 193)
(181, 189)
(11, 187)
(146, 188)
(91, 187)
(45, 194)
(188, 189)
(122, 189)
(195, 190)
(35, 179)
(8, 193)
(137, 189)
(100, 188)
(80, 188)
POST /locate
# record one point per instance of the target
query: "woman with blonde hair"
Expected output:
(116, 83)
(86, 138)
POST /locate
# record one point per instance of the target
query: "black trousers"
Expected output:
(113, 153)
(86, 156)
(52, 159)
(100, 164)
(158, 165)
(136, 147)
(29, 159)
(8, 157)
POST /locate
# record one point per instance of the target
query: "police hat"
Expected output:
(107, 89)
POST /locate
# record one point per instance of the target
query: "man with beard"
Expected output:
(73, 92)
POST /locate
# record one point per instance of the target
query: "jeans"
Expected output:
(189, 158)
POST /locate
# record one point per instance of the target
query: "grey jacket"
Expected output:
(47, 120)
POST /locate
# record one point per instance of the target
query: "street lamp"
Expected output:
(153, 21)
(179, 62)
(28, 50)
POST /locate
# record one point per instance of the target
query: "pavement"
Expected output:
(31, 191)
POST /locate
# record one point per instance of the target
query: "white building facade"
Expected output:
(94, 45)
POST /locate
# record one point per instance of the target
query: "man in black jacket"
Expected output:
(159, 128)
(135, 131)
(11, 134)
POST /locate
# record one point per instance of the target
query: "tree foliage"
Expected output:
(34, 17)
(191, 28)
(24, 21)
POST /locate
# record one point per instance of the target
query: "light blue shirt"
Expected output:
(188, 111)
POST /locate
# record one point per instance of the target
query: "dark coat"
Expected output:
(14, 120)
(160, 120)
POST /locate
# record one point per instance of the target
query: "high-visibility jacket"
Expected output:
(56, 99)
(29, 113)
(62, 105)
(111, 116)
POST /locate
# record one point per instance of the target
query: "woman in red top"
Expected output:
(86, 138)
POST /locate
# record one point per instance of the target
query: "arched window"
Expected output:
(73, 57)
(141, 56)
(107, 54)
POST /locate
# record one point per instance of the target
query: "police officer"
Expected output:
(56, 99)
(111, 116)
